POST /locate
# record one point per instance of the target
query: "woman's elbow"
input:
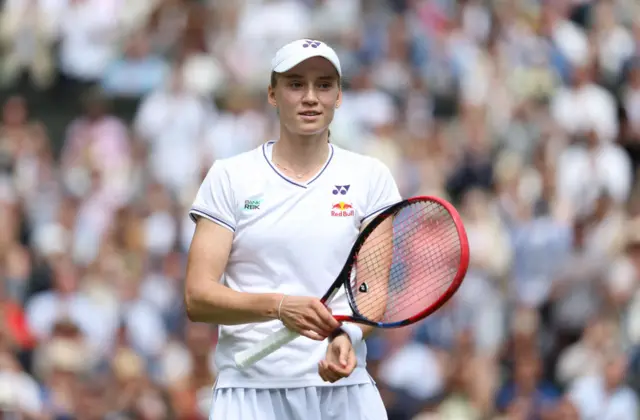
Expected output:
(192, 314)
(193, 305)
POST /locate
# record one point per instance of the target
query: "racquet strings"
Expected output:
(407, 263)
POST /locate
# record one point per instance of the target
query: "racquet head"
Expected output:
(406, 263)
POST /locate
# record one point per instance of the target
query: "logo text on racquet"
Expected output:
(341, 189)
(311, 43)
(363, 288)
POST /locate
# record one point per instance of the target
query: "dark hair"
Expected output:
(274, 80)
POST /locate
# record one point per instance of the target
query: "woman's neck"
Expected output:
(301, 152)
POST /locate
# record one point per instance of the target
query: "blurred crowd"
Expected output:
(524, 113)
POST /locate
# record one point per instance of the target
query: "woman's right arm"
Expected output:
(207, 300)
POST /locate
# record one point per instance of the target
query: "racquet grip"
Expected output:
(264, 348)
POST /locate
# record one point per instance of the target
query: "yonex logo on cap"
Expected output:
(311, 43)
(300, 50)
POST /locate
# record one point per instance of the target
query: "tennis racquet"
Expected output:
(406, 263)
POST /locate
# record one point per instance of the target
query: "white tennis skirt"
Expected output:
(352, 402)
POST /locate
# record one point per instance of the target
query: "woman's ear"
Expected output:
(271, 94)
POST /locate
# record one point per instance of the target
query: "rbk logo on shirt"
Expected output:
(252, 204)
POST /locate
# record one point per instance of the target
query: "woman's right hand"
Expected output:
(307, 316)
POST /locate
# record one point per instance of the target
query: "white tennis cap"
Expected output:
(298, 51)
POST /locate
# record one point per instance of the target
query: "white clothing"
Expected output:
(354, 402)
(590, 107)
(89, 38)
(173, 123)
(415, 369)
(20, 391)
(582, 175)
(289, 238)
(593, 403)
(48, 307)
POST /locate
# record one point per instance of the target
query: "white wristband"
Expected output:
(354, 332)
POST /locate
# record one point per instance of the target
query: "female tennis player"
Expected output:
(274, 227)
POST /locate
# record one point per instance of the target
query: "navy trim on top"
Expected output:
(376, 211)
(325, 165)
(264, 153)
(203, 213)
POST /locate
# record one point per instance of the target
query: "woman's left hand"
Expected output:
(340, 360)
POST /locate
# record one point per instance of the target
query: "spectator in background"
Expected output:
(586, 355)
(15, 334)
(135, 16)
(59, 369)
(139, 323)
(630, 107)
(526, 393)
(15, 130)
(565, 410)
(138, 72)
(89, 38)
(171, 122)
(97, 143)
(587, 167)
(540, 245)
(576, 296)
(584, 106)
(19, 392)
(605, 395)
(96, 163)
(27, 166)
(28, 30)
(480, 294)
(614, 43)
(66, 303)
(413, 373)
(166, 23)
(365, 109)
(566, 35)
(237, 128)
(201, 71)
(475, 166)
(189, 370)
(261, 28)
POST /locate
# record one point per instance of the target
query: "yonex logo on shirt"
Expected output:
(252, 204)
(341, 189)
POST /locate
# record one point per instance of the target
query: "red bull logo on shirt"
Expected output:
(342, 209)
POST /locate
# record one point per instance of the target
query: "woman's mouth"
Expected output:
(309, 116)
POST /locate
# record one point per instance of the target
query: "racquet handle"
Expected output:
(264, 348)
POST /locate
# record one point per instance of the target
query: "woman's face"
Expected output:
(306, 96)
